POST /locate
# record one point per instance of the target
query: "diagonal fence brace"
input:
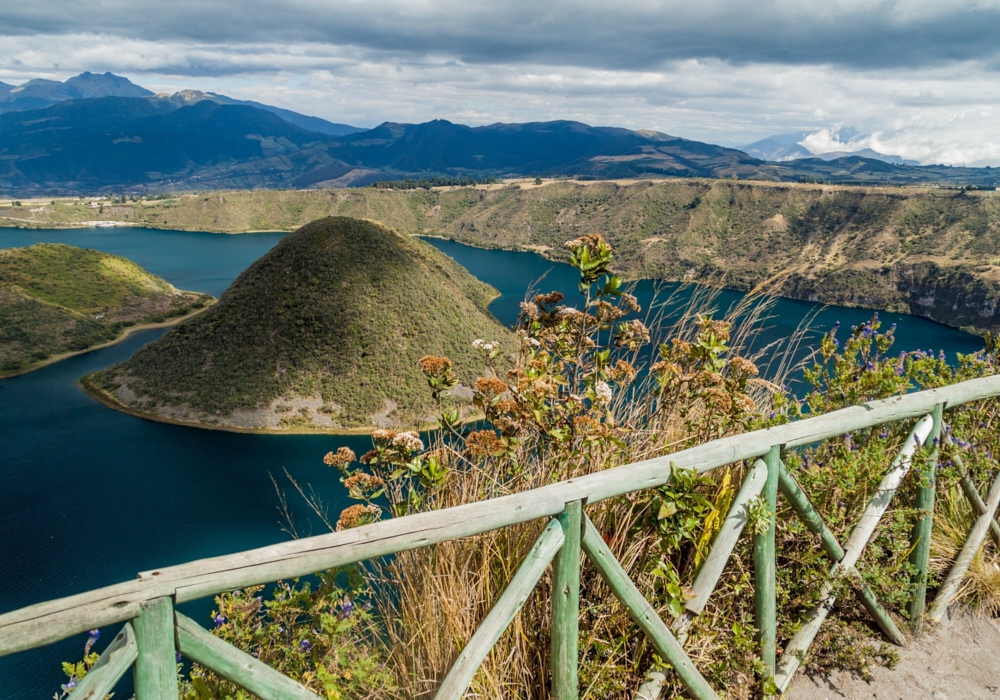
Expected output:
(975, 540)
(235, 665)
(502, 613)
(643, 613)
(105, 674)
(970, 490)
(813, 521)
(862, 532)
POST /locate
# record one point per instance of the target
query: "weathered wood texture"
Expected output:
(105, 674)
(964, 559)
(643, 613)
(920, 537)
(156, 661)
(800, 503)
(564, 659)
(48, 622)
(229, 662)
(502, 613)
(862, 532)
(764, 577)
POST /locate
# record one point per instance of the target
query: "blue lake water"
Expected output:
(90, 496)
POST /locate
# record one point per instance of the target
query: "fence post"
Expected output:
(920, 536)
(566, 606)
(764, 574)
(156, 663)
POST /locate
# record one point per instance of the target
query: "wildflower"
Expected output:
(602, 392)
(340, 459)
(305, 645)
(744, 403)
(490, 386)
(358, 515)
(624, 372)
(632, 334)
(630, 302)
(178, 658)
(361, 484)
(95, 634)
(719, 398)
(484, 443)
(530, 311)
(219, 620)
(369, 457)
(346, 608)
(382, 437)
(550, 298)
(743, 366)
(435, 366)
(408, 442)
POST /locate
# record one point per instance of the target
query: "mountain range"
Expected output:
(787, 147)
(76, 137)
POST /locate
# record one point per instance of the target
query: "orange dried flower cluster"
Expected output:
(550, 298)
(435, 366)
(361, 482)
(484, 443)
(490, 386)
(744, 367)
(340, 459)
(593, 242)
(358, 515)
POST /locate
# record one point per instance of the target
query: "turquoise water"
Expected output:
(91, 496)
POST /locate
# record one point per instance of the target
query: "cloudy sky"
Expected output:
(919, 78)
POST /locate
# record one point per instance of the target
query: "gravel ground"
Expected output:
(960, 660)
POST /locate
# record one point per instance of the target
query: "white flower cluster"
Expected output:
(408, 441)
(483, 346)
(602, 391)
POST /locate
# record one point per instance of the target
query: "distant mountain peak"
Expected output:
(781, 148)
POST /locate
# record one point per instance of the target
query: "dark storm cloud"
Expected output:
(614, 35)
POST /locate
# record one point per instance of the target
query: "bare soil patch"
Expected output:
(959, 660)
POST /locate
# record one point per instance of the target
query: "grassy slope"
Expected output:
(919, 250)
(341, 310)
(57, 299)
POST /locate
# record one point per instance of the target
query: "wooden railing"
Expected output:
(154, 632)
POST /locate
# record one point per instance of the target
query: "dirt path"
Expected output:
(959, 661)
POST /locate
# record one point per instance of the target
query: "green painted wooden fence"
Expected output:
(154, 632)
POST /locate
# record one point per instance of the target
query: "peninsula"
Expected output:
(58, 300)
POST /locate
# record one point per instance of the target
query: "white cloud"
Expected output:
(940, 113)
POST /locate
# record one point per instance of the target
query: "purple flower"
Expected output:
(836, 343)
(892, 327)
(836, 324)
(305, 645)
(346, 608)
(178, 657)
(220, 620)
(95, 634)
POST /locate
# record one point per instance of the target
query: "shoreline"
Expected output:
(125, 334)
(111, 402)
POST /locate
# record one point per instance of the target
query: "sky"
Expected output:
(915, 78)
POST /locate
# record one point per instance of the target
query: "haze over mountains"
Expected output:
(102, 133)
(782, 148)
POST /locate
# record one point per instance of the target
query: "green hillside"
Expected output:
(323, 333)
(57, 299)
(926, 251)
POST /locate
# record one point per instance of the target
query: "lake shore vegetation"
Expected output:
(58, 300)
(926, 251)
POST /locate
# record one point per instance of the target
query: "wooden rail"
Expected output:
(154, 633)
